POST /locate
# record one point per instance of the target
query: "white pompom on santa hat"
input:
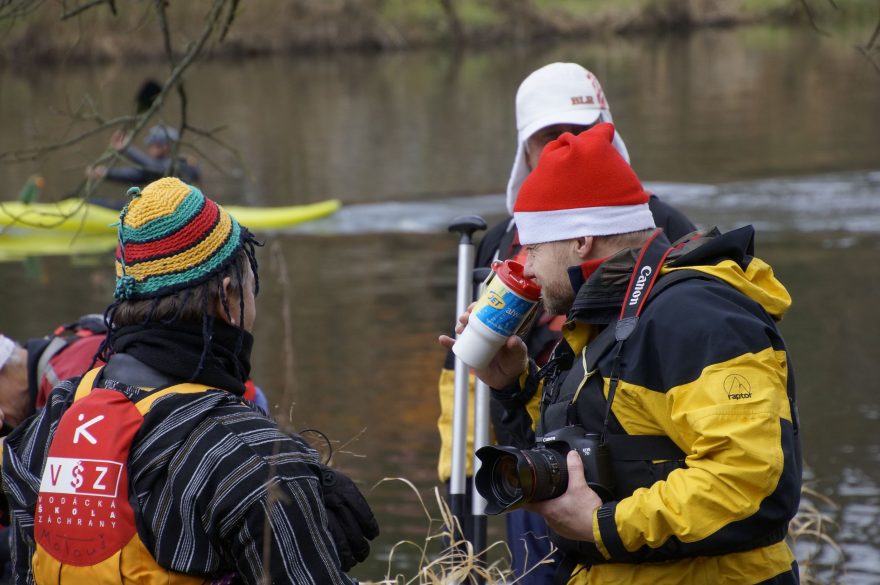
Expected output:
(581, 187)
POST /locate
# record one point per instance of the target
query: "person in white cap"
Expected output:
(556, 98)
(672, 381)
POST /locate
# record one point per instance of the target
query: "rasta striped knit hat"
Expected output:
(172, 237)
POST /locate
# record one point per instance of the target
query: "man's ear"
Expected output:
(223, 292)
(584, 246)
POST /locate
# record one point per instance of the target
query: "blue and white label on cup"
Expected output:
(500, 309)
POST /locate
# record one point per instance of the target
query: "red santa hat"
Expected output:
(581, 187)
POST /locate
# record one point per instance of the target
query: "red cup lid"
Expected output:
(511, 273)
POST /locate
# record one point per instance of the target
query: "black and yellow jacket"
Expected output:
(706, 368)
(500, 243)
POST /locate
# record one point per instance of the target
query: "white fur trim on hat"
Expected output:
(7, 348)
(537, 227)
(558, 93)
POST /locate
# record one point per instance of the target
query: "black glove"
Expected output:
(349, 516)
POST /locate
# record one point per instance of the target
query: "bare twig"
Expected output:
(211, 135)
(453, 21)
(279, 264)
(27, 154)
(870, 58)
(233, 12)
(874, 36)
(86, 112)
(137, 122)
(812, 18)
(84, 7)
(13, 9)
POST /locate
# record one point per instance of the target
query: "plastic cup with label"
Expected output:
(501, 310)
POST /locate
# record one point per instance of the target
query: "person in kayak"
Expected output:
(556, 98)
(152, 467)
(671, 360)
(149, 165)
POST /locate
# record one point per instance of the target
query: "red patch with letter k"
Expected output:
(83, 515)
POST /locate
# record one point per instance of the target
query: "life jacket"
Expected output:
(637, 461)
(85, 522)
(69, 353)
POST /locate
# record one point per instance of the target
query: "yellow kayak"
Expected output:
(269, 218)
(75, 215)
(49, 243)
(69, 215)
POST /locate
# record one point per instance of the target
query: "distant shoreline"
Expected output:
(274, 27)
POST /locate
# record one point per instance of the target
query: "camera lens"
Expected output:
(507, 485)
(535, 475)
(549, 472)
(510, 476)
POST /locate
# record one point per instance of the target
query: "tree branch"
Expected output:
(874, 36)
(27, 154)
(87, 112)
(870, 58)
(82, 8)
(233, 12)
(212, 136)
(12, 9)
(140, 120)
(812, 18)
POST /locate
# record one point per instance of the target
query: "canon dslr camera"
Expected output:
(510, 477)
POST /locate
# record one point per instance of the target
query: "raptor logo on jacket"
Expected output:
(737, 387)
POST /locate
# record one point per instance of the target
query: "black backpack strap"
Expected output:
(601, 345)
(55, 345)
(643, 448)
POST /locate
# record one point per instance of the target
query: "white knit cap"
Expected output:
(7, 348)
(558, 93)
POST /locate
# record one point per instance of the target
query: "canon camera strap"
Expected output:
(644, 275)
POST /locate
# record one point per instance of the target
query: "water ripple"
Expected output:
(845, 202)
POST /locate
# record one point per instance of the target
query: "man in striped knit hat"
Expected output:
(153, 468)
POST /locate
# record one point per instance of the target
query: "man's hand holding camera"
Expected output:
(571, 514)
(507, 365)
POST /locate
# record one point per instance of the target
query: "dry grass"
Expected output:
(808, 536)
(457, 561)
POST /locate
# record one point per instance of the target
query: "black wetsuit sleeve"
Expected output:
(133, 175)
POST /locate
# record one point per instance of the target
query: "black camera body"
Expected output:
(509, 477)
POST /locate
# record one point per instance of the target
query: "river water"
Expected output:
(776, 128)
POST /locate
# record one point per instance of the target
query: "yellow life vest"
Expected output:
(84, 524)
